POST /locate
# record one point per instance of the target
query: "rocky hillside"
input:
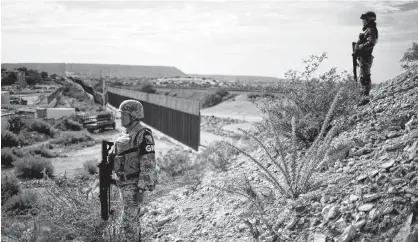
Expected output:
(367, 192)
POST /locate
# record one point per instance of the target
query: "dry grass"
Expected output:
(66, 210)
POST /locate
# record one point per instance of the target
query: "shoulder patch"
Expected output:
(148, 139)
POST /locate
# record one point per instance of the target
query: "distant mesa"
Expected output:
(113, 70)
(100, 69)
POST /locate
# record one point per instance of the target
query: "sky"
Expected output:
(262, 38)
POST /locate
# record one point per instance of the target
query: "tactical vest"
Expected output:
(128, 153)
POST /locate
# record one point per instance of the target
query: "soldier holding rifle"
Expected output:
(362, 50)
(134, 166)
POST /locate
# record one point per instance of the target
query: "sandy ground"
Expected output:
(75, 159)
(240, 109)
(243, 110)
(31, 98)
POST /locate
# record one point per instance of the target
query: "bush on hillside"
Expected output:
(91, 167)
(213, 98)
(9, 139)
(148, 88)
(69, 138)
(40, 126)
(221, 92)
(43, 152)
(33, 167)
(69, 125)
(10, 186)
(410, 58)
(73, 92)
(175, 164)
(219, 155)
(309, 98)
(7, 157)
(22, 203)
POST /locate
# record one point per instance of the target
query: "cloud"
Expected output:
(235, 37)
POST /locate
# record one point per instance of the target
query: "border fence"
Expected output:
(54, 95)
(175, 117)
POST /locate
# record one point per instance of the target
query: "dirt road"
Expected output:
(243, 110)
(76, 158)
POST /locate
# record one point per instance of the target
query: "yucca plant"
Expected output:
(294, 168)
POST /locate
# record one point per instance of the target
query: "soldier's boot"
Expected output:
(366, 84)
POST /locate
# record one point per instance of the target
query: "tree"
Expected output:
(24, 69)
(44, 74)
(33, 79)
(410, 57)
(9, 80)
(148, 88)
(3, 69)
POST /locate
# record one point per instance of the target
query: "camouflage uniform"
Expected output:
(134, 159)
(365, 47)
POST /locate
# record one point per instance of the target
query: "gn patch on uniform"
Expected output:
(147, 145)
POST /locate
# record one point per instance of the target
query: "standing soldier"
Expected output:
(363, 51)
(134, 165)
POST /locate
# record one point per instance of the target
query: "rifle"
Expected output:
(354, 61)
(356, 54)
(105, 179)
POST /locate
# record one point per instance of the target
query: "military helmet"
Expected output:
(369, 15)
(133, 108)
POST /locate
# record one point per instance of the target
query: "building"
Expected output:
(46, 87)
(5, 98)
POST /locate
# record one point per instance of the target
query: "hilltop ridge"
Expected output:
(100, 69)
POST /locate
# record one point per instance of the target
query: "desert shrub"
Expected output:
(9, 139)
(16, 124)
(295, 167)
(219, 155)
(175, 164)
(91, 167)
(7, 157)
(68, 124)
(70, 137)
(82, 174)
(40, 126)
(229, 96)
(288, 173)
(221, 92)
(33, 167)
(253, 95)
(27, 137)
(73, 92)
(309, 98)
(18, 152)
(409, 60)
(211, 100)
(215, 97)
(70, 213)
(21, 203)
(10, 186)
(148, 88)
(43, 152)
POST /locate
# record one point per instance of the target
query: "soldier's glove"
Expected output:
(111, 157)
(114, 178)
